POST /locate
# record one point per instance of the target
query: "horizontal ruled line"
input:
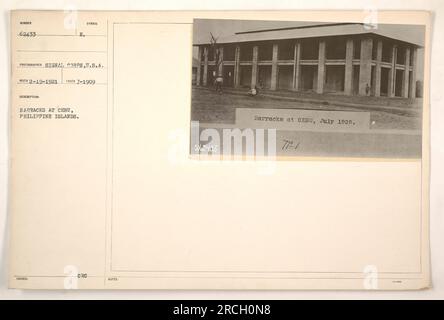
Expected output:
(71, 35)
(52, 84)
(68, 51)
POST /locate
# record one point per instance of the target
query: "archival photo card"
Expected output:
(104, 193)
(307, 89)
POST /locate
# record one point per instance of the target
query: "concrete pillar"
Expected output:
(412, 86)
(254, 66)
(274, 67)
(377, 81)
(315, 80)
(237, 66)
(405, 79)
(199, 65)
(392, 74)
(365, 65)
(205, 69)
(220, 63)
(297, 66)
(321, 68)
(348, 79)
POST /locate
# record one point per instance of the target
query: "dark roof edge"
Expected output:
(301, 27)
(356, 34)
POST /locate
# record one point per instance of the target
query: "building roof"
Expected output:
(312, 31)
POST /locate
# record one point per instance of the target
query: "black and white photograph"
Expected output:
(309, 89)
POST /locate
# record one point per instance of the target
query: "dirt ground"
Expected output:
(211, 107)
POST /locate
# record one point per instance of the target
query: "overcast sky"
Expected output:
(223, 28)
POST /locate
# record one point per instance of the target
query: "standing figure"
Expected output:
(218, 83)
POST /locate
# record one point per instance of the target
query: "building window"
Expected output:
(246, 52)
(374, 49)
(265, 51)
(229, 52)
(387, 51)
(310, 49)
(286, 50)
(400, 55)
(211, 53)
(335, 48)
(357, 49)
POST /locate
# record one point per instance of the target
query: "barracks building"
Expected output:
(342, 58)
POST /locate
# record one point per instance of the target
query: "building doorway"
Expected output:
(384, 81)
(308, 77)
(264, 77)
(285, 77)
(398, 82)
(228, 75)
(245, 76)
(334, 79)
